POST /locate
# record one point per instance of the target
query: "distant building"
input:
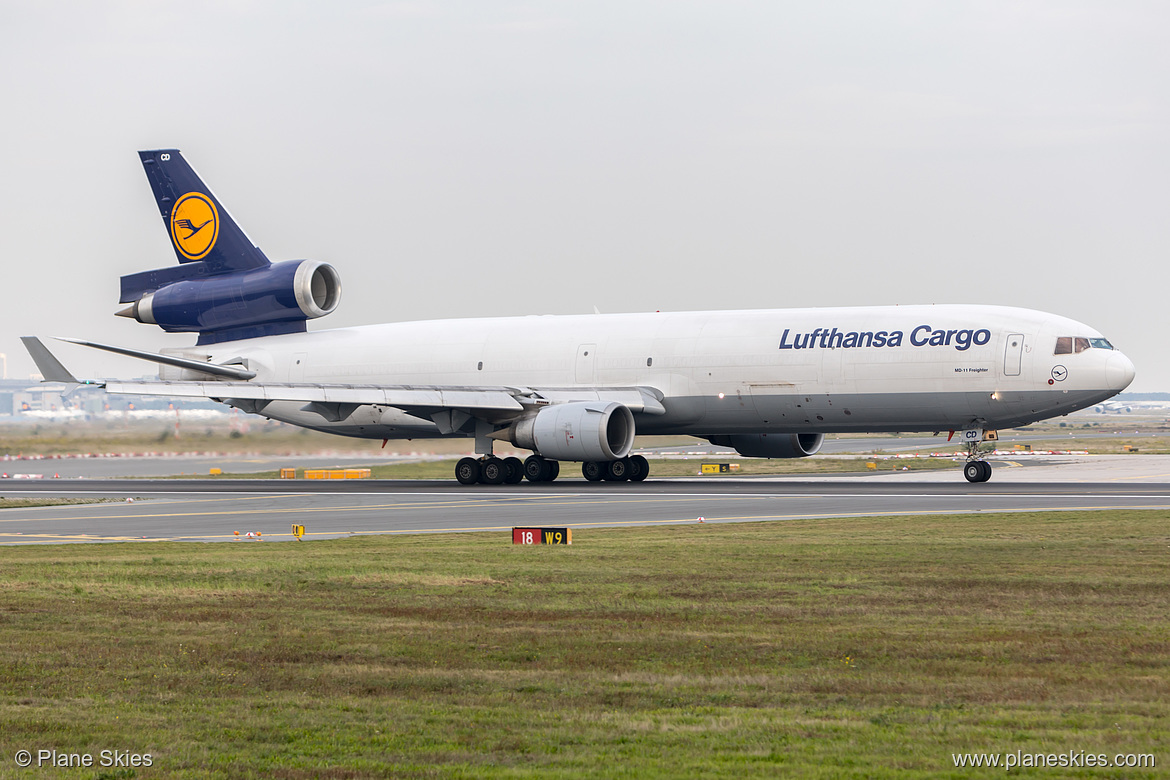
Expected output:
(20, 396)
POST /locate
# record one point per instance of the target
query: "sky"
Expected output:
(469, 159)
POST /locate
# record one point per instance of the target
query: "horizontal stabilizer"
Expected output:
(228, 372)
(47, 363)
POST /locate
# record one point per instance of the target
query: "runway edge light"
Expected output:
(542, 535)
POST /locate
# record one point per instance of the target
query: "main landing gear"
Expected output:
(634, 468)
(539, 469)
(500, 471)
(490, 470)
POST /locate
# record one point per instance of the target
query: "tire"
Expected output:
(592, 470)
(514, 468)
(639, 468)
(554, 469)
(617, 470)
(986, 471)
(493, 472)
(536, 469)
(973, 471)
(467, 471)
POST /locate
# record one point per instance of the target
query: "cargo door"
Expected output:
(1013, 354)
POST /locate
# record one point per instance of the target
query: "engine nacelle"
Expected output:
(580, 430)
(772, 445)
(289, 292)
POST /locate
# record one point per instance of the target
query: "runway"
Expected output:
(213, 510)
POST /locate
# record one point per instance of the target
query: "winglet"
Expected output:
(49, 366)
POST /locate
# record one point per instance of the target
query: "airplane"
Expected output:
(1114, 406)
(576, 388)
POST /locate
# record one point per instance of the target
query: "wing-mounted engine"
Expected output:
(579, 431)
(772, 445)
(276, 298)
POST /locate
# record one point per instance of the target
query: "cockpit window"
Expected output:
(1067, 345)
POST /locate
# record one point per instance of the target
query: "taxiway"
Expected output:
(214, 510)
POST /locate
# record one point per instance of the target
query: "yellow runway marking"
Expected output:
(923, 512)
(457, 504)
(37, 538)
(466, 503)
(31, 538)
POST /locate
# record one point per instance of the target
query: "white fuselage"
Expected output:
(890, 368)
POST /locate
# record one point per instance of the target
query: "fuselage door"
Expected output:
(586, 364)
(1013, 354)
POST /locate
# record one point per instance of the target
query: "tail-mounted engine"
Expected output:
(224, 288)
(277, 298)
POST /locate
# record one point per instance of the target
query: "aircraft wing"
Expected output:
(334, 402)
(422, 401)
(404, 397)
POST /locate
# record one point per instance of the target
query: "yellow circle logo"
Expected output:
(194, 225)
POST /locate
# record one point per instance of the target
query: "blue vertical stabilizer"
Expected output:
(199, 227)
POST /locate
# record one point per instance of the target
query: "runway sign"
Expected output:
(716, 468)
(298, 531)
(542, 536)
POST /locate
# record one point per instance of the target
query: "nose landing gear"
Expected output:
(976, 469)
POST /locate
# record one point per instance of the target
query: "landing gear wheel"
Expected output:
(639, 468)
(977, 471)
(617, 470)
(514, 471)
(467, 471)
(592, 470)
(536, 469)
(492, 471)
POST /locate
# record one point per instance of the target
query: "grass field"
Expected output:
(871, 647)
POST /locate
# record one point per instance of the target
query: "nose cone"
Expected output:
(1119, 371)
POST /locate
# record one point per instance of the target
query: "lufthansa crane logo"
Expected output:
(194, 225)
